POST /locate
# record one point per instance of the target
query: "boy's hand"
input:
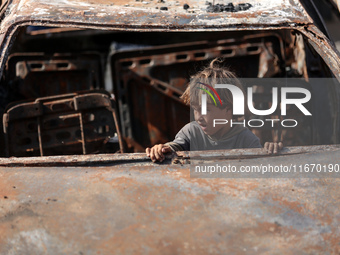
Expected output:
(156, 153)
(273, 148)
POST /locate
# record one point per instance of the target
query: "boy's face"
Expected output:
(206, 122)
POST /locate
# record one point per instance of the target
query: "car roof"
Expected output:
(164, 14)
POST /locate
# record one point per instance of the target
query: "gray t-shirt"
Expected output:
(191, 137)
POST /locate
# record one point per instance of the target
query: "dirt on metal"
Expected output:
(136, 208)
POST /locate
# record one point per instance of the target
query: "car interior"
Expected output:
(68, 91)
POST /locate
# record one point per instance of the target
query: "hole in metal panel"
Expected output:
(146, 79)
(145, 61)
(199, 54)
(252, 49)
(36, 66)
(181, 56)
(227, 52)
(176, 94)
(161, 87)
(62, 65)
(126, 63)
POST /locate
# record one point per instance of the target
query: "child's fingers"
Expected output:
(147, 151)
(158, 154)
(270, 148)
(266, 146)
(280, 145)
(152, 154)
(275, 148)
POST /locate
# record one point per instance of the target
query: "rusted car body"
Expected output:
(58, 57)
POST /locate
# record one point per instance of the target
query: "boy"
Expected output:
(202, 134)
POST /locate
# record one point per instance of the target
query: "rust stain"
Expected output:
(100, 203)
(122, 208)
(8, 189)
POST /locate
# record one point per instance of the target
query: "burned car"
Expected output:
(86, 86)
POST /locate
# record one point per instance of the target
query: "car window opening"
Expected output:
(68, 91)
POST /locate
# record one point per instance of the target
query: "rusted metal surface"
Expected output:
(43, 74)
(250, 153)
(149, 13)
(324, 48)
(135, 208)
(132, 15)
(144, 16)
(127, 204)
(179, 157)
(67, 124)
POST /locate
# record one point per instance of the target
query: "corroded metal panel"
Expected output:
(149, 16)
(77, 123)
(157, 208)
(160, 13)
(179, 157)
(125, 203)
